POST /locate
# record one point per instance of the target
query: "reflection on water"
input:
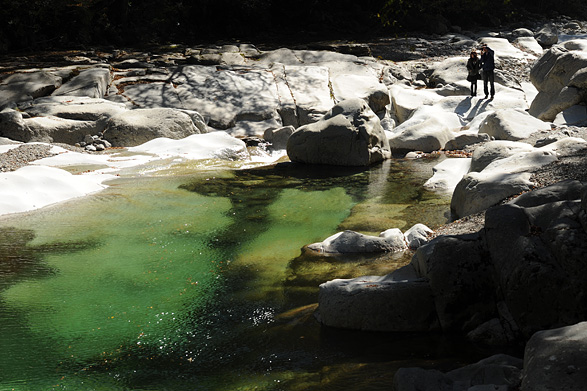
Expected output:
(198, 283)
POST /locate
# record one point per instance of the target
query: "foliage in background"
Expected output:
(44, 24)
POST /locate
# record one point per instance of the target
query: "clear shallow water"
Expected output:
(197, 282)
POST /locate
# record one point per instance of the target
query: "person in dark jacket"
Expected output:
(488, 67)
(473, 66)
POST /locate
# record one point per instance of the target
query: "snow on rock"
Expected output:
(197, 146)
(34, 187)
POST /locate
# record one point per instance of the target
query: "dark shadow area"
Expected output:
(42, 25)
(19, 260)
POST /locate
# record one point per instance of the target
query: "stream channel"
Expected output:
(194, 278)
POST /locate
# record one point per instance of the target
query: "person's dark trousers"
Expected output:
(488, 77)
(473, 88)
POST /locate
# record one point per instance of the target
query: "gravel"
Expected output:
(23, 155)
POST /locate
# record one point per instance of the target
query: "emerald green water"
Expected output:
(197, 282)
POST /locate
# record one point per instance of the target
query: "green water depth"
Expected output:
(189, 282)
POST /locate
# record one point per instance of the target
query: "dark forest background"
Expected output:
(46, 24)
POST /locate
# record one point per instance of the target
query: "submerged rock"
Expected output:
(496, 373)
(523, 272)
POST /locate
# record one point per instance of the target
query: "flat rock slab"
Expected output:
(135, 127)
(90, 82)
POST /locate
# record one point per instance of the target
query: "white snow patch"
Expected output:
(34, 187)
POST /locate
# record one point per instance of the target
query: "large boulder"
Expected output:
(12, 125)
(477, 191)
(406, 100)
(58, 130)
(547, 36)
(428, 129)
(574, 115)
(350, 134)
(359, 80)
(561, 80)
(134, 127)
(44, 129)
(499, 180)
(457, 270)
(539, 255)
(564, 190)
(396, 302)
(496, 150)
(511, 124)
(555, 360)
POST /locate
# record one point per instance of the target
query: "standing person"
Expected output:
(488, 66)
(473, 66)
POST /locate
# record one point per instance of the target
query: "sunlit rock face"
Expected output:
(560, 78)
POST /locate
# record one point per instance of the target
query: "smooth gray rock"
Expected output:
(417, 235)
(57, 130)
(547, 36)
(564, 190)
(458, 272)
(92, 83)
(136, 127)
(25, 86)
(463, 140)
(395, 302)
(539, 254)
(12, 125)
(512, 125)
(278, 137)
(478, 191)
(495, 150)
(522, 32)
(552, 75)
(349, 242)
(428, 129)
(7, 141)
(556, 360)
(74, 107)
(350, 134)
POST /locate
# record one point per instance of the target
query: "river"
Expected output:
(194, 279)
